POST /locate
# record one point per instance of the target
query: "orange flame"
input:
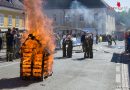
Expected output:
(40, 26)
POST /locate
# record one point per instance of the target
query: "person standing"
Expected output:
(128, 43)
(83, 40)
(114, 39)
(97, 39)
(64, 46)
(69, 46)
(9, 45)
(17, 38)
(86, 47)
(0, 40)
(109, 39)
(100, 38)
(90, 54)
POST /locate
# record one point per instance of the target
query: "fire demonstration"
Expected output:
(38, 47)
(64, 45)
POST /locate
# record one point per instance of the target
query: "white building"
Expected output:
(102, 19)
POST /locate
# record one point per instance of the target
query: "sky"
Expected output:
(124, 3)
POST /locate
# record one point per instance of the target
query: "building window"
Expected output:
(17, 21)
(81, 18)
(1, 19)
(10, 20)
(23, 21)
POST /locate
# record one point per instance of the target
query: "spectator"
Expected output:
(17, 38)
(114, 39)
(109, 39)
(0, 40)
(9, 44)
(96, 39)
(128, 43)
(100, 38)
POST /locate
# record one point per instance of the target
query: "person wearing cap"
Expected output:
(69, 46)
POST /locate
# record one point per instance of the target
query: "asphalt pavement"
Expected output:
(103, 72)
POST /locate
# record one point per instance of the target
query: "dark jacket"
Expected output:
(82, 38)
(10, 39)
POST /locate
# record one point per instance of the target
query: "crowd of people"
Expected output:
(87, 40)
(87, 45)
(106, 38)
(13, 43)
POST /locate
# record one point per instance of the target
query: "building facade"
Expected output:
(11, 14)
(101, 19)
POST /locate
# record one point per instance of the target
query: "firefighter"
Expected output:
(69, 46)
(64, 46)
(82, 40)
(0, 40)
(88, 46)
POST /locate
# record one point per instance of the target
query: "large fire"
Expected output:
(39, 36)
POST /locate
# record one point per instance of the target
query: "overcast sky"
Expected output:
(124, 3)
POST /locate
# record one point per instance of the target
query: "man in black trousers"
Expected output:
(88, 46)
(64, 46)
(69, 46)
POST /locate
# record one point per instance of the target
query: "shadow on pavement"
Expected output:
(78, 51)
(2, 59)
(60, 58)
(79, 59)
(11, 83)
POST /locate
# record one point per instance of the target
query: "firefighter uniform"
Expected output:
(64, 47)
(69, 46)
(88, 47)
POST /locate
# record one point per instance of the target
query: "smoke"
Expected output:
(78, 9)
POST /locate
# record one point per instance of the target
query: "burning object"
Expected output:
(34, 59)
(38, 42)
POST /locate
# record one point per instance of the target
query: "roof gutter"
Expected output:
(11, 9)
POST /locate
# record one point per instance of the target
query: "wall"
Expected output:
(6, 13)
